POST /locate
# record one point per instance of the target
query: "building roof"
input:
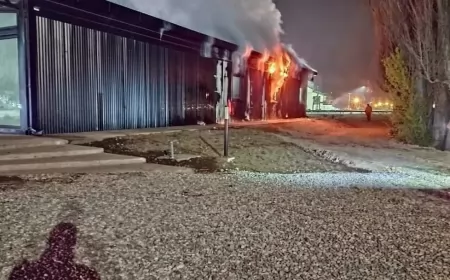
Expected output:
(256, 56)
(110, 17)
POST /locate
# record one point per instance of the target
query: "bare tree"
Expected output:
(421, 29)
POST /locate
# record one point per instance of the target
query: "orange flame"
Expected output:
(278, 68)
(262, 62)
(272, 68)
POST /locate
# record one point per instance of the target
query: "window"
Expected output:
(10, 107)
(7, 18)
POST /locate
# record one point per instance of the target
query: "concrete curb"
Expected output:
(91, 160)
(137, 168)
(41, 152)
(30, 142)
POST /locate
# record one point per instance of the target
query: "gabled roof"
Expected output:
(256, 56)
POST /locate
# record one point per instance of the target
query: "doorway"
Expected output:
(10, 105)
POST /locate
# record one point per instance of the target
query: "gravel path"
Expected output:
(197, 226)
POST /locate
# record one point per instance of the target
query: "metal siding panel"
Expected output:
(149, 114)
(100, 91)
(112, 80)
(175, 84)
(256, 77)
(92, 88)
(50, 70)
(164, 86)
(118, 108)
(134, 83)
(156, 67)
(153, 110)
(141, 60)
(127, 85)
(64, 75)
(191, 91)
(80, 105)
(206, 104)
(90, 80)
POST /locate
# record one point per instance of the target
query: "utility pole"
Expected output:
(226, 132)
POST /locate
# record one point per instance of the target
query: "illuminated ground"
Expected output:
(358, 143)
(344, 224)
(339, 144)
(254, 149)
(211, 226)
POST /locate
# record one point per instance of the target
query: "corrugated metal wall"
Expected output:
(89, 80)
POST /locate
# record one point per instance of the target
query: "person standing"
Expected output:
(368, 112)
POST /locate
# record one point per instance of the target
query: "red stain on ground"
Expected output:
(57, 262)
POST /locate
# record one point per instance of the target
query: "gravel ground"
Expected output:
(205, 226)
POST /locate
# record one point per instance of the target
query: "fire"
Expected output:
(262, 62)
(278, 68)
(272, 68)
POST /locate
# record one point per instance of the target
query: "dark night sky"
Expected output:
(334, 36)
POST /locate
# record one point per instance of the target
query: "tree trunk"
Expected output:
(441, 122)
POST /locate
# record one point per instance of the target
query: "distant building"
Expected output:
(317, 100)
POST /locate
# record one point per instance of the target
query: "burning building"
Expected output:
(84, 65)
(271, 85)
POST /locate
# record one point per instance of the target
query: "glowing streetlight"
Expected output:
(356, 100)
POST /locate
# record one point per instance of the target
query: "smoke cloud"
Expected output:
(300, 62)
(244, 22)
(247, 23)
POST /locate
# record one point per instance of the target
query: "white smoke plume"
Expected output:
(299, 62)
(246, 23)
(167, 26)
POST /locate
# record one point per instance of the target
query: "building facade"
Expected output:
(254, 99)
(82, 65)
(317, 100)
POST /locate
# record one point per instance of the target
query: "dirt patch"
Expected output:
(154, 146)
(12, 183)
(253, 149)
(8, 183)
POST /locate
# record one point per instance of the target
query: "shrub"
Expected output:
(410, 115)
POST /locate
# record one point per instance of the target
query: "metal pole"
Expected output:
(172, 152)
(264, 104)
(226, 132)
